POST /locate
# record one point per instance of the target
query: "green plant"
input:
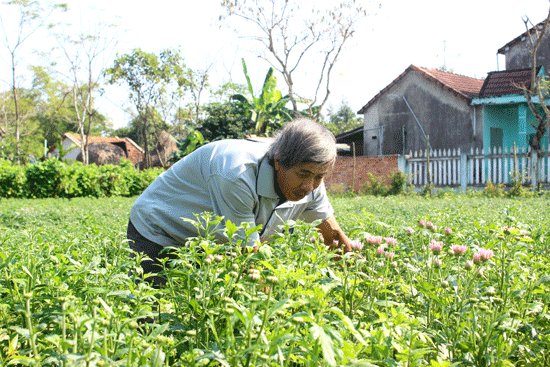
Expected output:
(12, 179)
(46, 179)
(375, 186)
(517, 188)
(398, 183)
(458, 280)
(186, 146)
(493, 191)
(267, 111)
(427, 190)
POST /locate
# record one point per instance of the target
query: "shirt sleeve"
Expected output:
(319, 207)
(235, 201)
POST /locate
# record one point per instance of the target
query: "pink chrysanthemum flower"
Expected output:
(410, 231)
(469, 265)
(432, 227)
(380, 251)
(391, 240)
(436, 246)
(437, 263)
(448, 231)
(422, 223)
(389, 254)
(356, 245)
(477, 258)
(485, 254)
(373, 240)
(459, 250)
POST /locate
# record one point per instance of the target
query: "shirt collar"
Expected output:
(266, 185)
(266, 180)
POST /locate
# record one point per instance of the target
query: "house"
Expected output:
(507, 118)
(127, 147)
(517, 52)
(421, 108)
(430, 108)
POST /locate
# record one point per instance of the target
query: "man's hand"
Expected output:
(333, 235)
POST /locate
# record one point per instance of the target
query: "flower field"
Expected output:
(456, 281)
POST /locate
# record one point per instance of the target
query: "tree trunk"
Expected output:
(16, 105)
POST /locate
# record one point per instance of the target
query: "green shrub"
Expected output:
(53, 178)
(398, 183)
(47, 179)
(516, 185)
(375, 186)
(494, 191)
(12, 180)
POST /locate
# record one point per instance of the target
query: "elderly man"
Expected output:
(244, 182)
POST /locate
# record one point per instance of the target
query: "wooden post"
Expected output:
(428, 160)
(534, 169)
(353, 177)
(464, 172)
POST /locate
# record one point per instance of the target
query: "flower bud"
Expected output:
(254, 277)
(133, 325)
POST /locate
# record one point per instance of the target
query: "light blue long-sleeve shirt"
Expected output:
(229, 178)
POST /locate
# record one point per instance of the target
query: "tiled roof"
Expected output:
(463, 86)
(503, 83)
(134, 151)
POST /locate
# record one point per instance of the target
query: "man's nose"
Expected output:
(307, 185)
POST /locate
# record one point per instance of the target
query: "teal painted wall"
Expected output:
(515, 121)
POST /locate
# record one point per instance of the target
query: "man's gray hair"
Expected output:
(303, 141)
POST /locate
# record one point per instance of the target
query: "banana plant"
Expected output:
(267, 110)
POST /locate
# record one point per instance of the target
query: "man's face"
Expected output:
(298, 181)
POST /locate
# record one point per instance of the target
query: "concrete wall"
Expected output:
(446, 118)
(518, 56)
(342, 176)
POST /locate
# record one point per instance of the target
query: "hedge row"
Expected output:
(53, 178)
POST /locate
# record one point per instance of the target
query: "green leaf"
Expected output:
(106, 307)
(245, 71)
(544, 279)
(26, 361)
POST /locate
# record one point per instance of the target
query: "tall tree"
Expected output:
(27, 17)
(539, 85)
(56, 112)
(292, 34)
(87, 50)
(149, 79)
(342, 119)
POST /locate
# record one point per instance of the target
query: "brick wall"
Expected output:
(341, 177)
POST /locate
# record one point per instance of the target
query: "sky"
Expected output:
(462, 35)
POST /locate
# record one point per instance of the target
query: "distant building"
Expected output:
(71, 144)
(418, 104)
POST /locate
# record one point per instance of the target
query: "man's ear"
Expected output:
(277, 165)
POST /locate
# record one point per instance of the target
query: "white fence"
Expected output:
(455, 168)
